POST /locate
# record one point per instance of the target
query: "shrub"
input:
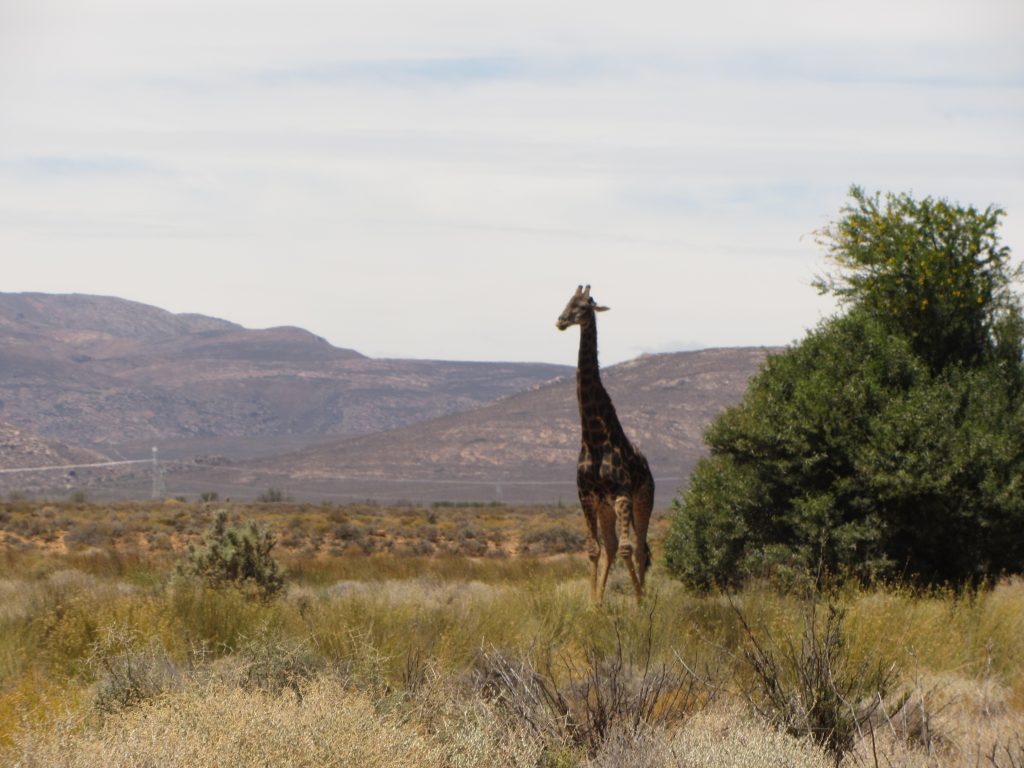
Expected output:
(89, 535)
(128, 674)
(551, 541)
(273, 664)
(814, 688)
(236, 555)
(582, 704)
(272, 496)
(890, 441)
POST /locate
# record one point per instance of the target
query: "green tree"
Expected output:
(931, 271)
(879, 445)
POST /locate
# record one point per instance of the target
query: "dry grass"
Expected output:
(331, 725)
(224, 725)
(107, 658)
(728, 738)
(305, 531)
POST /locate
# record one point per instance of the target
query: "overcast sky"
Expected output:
(433, 178)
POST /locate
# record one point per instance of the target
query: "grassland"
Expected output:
(464, 636)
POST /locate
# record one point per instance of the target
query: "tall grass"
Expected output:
(105, 653)
(325, 571)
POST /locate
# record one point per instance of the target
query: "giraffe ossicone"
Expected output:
(614, 480)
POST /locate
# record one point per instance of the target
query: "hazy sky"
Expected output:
(432, 179)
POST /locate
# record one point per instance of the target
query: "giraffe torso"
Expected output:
(607, 469)
(608, 462)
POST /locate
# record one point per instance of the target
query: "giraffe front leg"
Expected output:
(594, 555)
(593, 542)
(624, 523)
(609, 545)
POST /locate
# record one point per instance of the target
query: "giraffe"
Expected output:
(613, 478)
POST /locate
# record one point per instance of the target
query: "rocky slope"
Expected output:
(118, 376)
(238, 411)
(20, 449)
(523, 447)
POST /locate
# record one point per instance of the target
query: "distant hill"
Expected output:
(522, 447)
(236, 410)
(84, 321)
(119, 376)
(20, 448)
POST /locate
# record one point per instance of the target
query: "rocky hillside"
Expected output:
(522, 447)
(21, 449)
(119, 376)
(239, 411)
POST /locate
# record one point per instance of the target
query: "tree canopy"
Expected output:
(930, 271)
(890, 441)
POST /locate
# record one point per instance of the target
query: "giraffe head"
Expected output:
(580, 307)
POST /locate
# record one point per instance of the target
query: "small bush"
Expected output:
(238, 556)
(127, 674)
(581, 705)
(272, 496)
(89, 535)
(814, 688)
(274, 664)
(470, 543)
(551, 541)
(346, 531)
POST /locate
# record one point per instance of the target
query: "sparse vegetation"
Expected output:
(272, 496)
(586, 701)
(108, 658)
(810, 686)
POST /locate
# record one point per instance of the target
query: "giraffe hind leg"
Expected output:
(643, 503)
(624, 521)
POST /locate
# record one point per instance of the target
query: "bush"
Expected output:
(814, 688)
(274, 664)
(88, 535)
(622, 694)
(128, 672)
(877, 447)
(272, 496)
(551, 541)
(237, 555)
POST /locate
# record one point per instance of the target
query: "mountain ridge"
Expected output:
(115, 375)
(531, 438)
(239, 410)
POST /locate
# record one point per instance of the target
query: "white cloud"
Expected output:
(432, 179)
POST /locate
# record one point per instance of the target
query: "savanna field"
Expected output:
(465, 636)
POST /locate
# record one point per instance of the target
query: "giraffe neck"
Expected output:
(597, 414)
(587, 369)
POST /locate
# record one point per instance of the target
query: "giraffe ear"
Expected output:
(598, 308)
